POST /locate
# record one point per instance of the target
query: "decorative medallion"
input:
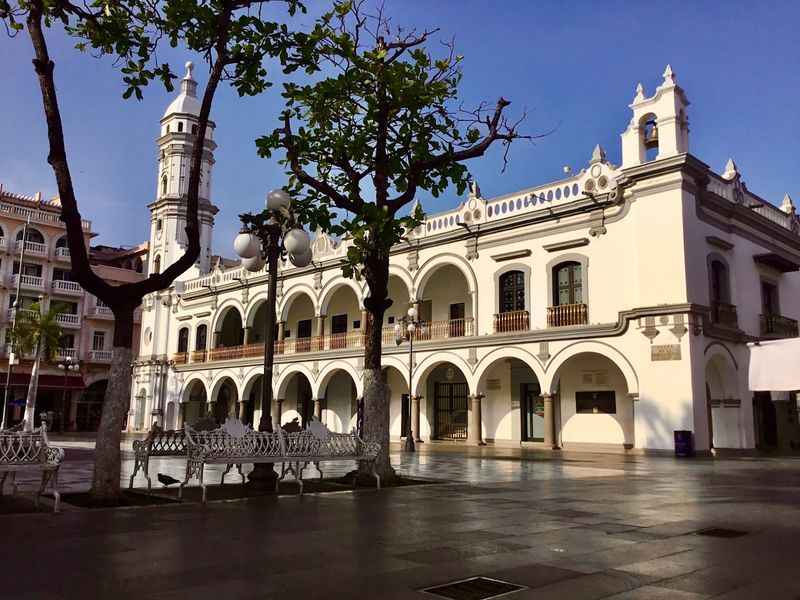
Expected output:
(413, 260)
(544, 352)
(318, 280)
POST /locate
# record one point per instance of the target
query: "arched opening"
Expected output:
(183, 340)
(298, 324)
(89, 407)
(723, 312)
(164, 185)
(342, 315)
(137, 265)
(32, 235)
(568, 304)
(225, 404)
(446, 393)
(723, 403)
(169, 416)
(591, 402)
(400, 409)
(200, 338)
(194, 402)
(61, 242)
(298, 402)
(229, 331)
(512, 314)
(252, 401)
(648, 132)
(180, 126)
(445, 305)
(339, 401)
(512, 407)
(157, 264)
(256, 326)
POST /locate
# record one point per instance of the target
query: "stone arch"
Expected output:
(252, 308)
(250, 380)
(225, 395)
(190, 383)
(723, 401)
(251, 396)
(429, 267)
(430, 362)
(219, 379)
(398, 363)
(291, 295)
(330, 370)
(591, 347)
(285, 376)
(197, 334)
(33, 235)
(222, 311)
(730, 280)
(404, 276)
(61, 242)
(504, 352)
(719, 347)
(333, 286)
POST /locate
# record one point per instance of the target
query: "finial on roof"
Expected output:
(189, 69)
(669, 76)
(639, 92)
(731, 170)
(598, 155)
(188, 84)
(474, 188)
(787, 205)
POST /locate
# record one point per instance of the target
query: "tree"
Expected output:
(376, 129)
(235, 41)
(39, 334)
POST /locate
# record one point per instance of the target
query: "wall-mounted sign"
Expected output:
(665, 352)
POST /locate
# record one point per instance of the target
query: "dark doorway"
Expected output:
(305, 405)
(405, 421)
(303, 335)
(450, 408)
(532, 408)
(457, 314)
(338, 331)
(766, 421)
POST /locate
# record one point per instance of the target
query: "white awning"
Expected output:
(775, 366)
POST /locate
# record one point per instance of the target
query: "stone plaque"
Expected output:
(665, 352)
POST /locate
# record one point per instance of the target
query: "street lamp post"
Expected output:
(405, 331)
(66, 365)
(266, 236)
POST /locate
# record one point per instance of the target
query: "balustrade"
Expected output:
(778, 326)
(64, 353)
(70, 287)
(198, 356)
(27, 281)
(62, 253)
(180, 358)
(516, 320)
(100, 355)
(566, 315)
(68, 320)
(34, 248)
(724, 314)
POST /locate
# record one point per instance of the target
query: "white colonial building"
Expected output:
(605, 310)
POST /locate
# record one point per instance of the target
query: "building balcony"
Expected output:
(20, 312)
(567, 315)
(31, 282)
(180, 358)
(72, 288)
(102, 312)
(68, 320)
(516, 320)
(198, 356)
(776, 326)
(37, 216)
(100, 356)
(3, 244)
(62, 254)
(724, 314)
(32, 248)
(65, 353)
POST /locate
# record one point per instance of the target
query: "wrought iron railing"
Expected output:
(517, 320)
(778, 326)
(724, 314)
(566, 315)
(180, 358)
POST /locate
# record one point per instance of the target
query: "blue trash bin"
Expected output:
(684, 443)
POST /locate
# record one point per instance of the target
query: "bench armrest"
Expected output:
(54, 456)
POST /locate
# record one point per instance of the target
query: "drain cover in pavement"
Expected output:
(721, 532)
(475, 588)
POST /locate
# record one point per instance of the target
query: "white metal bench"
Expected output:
(237, 444)
(158, 443)
(30, 451)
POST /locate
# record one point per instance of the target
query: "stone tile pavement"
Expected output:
(570, 526)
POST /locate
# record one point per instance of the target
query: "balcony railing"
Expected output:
(100, 355)
(68, 320)
(724, 314)
(3, 243)
(37, 216)
(21, 312)
(517, 320)
(33, 248)
(778, 326)
(103, 312)
(67, 287)
(28, 281)
(566, 315)
(62, 253)
(435, 330)
(198, 356)
(180, 358)
(64, 353)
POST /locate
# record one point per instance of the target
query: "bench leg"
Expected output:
(13, 483)
(225, 472)
(3, 482)
(298, 475)
(56, 494)
(377, 477)
(189, 472)
(316, 464)
(135, 470)
(203, 483)
(241, 473)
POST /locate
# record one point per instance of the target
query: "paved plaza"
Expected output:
(565, 526)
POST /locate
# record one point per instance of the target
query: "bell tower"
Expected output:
(659, 127)
(179, 128)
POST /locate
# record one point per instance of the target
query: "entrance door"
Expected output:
(532, 408)
(338, 331)
(303, 342)
(457, 320)
(765, 420)
(450, 408)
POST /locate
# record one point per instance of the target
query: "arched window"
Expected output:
(164, 185)
(62, 242)
(33, 235)
(512, 291)
(157, 264)
(138, 265)
(649, 137)
(200, 338)
(720, 283)
(183, 340)
(568, 288)
(180, 126)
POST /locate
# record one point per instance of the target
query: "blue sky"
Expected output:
(574, 66)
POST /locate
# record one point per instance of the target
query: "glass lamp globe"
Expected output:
(278, 200)
(398, 331)
(411, 328)
(254, 264)
(412, 313)
(246, 245)
(300, 260)
(297, 241)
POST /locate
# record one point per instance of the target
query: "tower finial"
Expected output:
(598, 155)
(731, 170)
(189, 68)
(188, 84)
(787, 205)
(639, 92)
(669, 76)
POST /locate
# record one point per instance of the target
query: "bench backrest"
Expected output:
(167, 443)
(233, 440)
(23, 448)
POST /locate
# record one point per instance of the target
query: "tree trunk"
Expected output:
(107, 467)
(376, 392)
(33, 389)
